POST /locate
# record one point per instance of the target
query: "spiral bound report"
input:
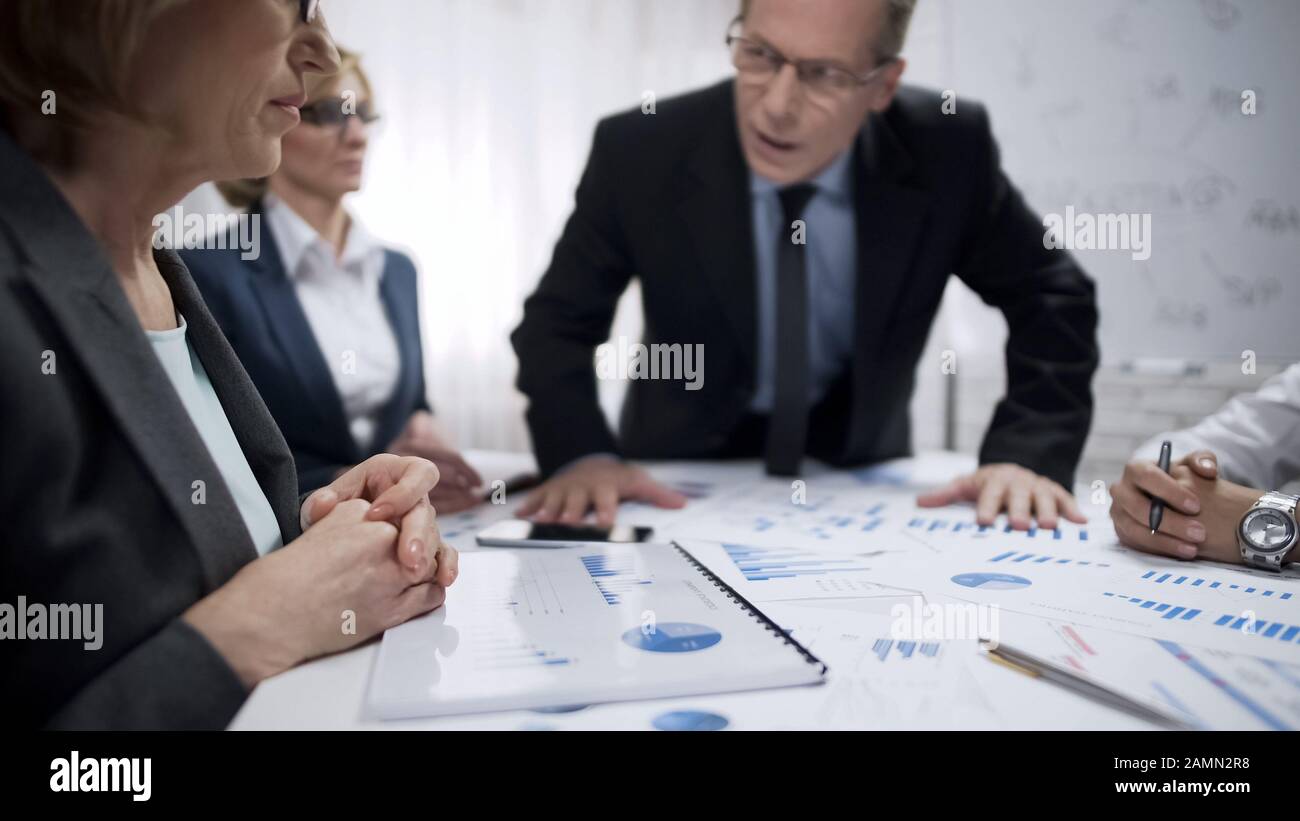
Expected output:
(744, 603)
(530, 629)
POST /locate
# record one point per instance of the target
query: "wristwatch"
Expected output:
(1268, 531)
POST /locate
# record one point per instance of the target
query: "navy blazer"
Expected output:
(258, 309)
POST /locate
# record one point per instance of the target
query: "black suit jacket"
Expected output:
(258, 309)
(97, 488)
(666, 199)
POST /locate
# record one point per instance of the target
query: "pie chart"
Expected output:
(672, 637)
(690, 720)
(991, 581)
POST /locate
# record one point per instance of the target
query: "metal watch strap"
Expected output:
(1277, 501)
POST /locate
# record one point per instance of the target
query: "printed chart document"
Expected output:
(539, 628)
(1208, 688)
(1212, 606)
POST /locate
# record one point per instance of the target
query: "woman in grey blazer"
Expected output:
(155, 562)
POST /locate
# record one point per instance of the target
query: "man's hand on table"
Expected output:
(598, 482)
(1022, 494)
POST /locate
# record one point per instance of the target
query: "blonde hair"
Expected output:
(80, 51)
(899, 17)
(243, 193)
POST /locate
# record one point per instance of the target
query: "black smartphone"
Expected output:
(523, 533)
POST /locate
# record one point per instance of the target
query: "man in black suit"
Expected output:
(799, 225)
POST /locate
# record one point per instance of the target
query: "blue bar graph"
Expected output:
(760, 564)
(614, 576)
(929, 525)
(1175, 578)
(497, 652)
(1172, 612)
(1016, 557)
(904, 649)
(817, 520)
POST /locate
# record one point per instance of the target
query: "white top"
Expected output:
(1256, 436)
(201, 402)
(347, 316)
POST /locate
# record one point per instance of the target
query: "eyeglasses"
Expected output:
(308, 9)
(823, 80)
(334, 112)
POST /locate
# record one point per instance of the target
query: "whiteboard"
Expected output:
(1135, 106)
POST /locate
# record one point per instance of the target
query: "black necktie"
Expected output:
(787, 430)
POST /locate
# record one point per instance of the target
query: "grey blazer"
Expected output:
(98, 465)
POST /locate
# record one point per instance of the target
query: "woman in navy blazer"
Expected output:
(325, 320)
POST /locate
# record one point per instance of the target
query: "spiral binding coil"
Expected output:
(753, 612)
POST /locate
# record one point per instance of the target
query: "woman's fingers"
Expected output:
(416, 601)
(1138, 535)
(318, 506)
(416, 478)
(448, 565)
(1138, 508)
(446, 503)
(1151, 480)
(466, 476)
(1204, 463)
(417, 543)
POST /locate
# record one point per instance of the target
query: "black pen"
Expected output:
(1158, 505)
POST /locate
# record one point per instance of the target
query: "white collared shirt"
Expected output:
(832, 258)
(1256, 436)
(347, 316)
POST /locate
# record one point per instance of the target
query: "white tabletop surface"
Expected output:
(329, 693)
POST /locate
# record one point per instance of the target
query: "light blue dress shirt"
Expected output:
(204, 407)
(832, 259)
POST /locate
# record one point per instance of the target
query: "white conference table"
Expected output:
(329, 693)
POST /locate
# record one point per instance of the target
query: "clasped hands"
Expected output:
(370, 558)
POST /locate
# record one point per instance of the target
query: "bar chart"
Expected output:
(967, 527)
(614, 576)
(904, 650)
(1244, 623)
(1017, 557)
(1263, 591)
(759, 564)
(494, 649)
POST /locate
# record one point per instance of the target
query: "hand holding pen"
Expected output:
(1153, 511)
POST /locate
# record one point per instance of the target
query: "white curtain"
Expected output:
(489, 107)
(488, 111)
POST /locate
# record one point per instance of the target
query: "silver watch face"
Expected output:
(1268, 530)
